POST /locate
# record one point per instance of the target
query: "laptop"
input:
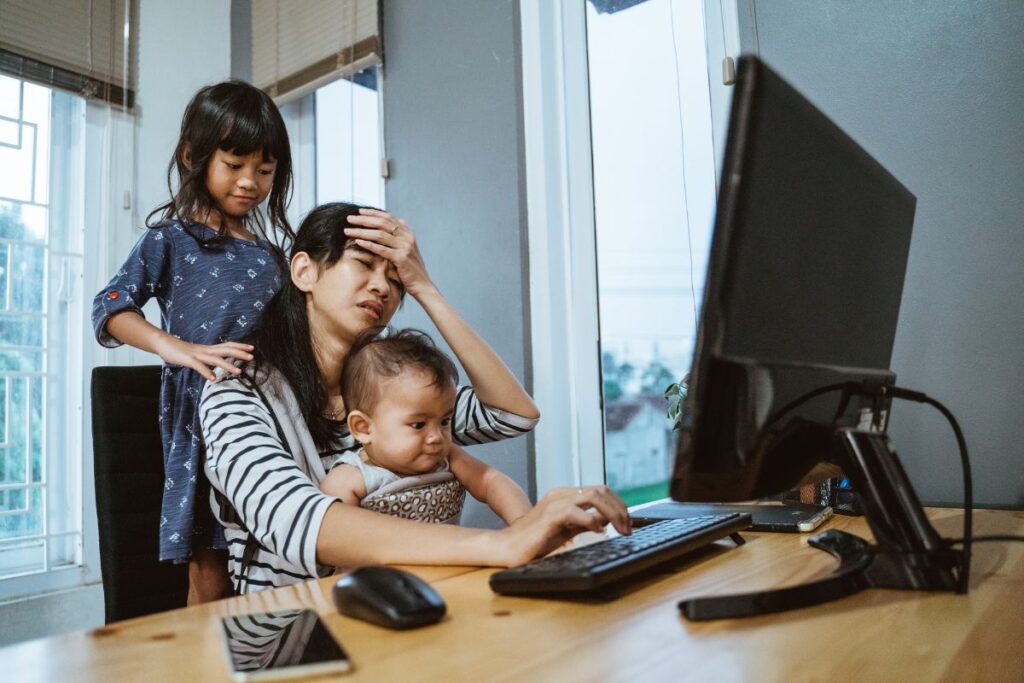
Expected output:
(772, 516)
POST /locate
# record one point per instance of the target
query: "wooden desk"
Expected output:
(876, 635)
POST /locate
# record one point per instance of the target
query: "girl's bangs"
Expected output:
(251, 132)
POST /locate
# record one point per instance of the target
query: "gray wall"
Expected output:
(935, 91)
(453, 131)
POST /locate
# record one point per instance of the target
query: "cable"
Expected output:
(682, 145)
(981, 539)
(961, 443)
(882, 390)
(802, 399)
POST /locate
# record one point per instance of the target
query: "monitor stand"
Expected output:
(908, 552)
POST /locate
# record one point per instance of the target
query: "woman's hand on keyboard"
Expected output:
(557, 517)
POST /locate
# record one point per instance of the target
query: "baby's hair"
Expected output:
(234, 117)
(373, 359)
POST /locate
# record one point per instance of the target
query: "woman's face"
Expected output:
(360, 290)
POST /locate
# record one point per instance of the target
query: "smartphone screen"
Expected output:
(281, 644)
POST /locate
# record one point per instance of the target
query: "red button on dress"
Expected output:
(113, 295)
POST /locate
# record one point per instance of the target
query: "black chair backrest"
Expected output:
(129, 467)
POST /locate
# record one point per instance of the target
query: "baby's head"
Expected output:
(399, 392)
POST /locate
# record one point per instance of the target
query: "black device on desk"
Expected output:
(790, 382)
(780, 517)
(596, 566)
(388, 597)
(277, 645)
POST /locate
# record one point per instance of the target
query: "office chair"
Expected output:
(129, 468)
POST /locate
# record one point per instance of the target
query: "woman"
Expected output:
(273, 432)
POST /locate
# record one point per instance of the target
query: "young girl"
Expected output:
(210, 265)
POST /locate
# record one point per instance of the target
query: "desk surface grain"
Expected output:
(875, 635)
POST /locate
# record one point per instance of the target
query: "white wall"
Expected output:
(183, 45)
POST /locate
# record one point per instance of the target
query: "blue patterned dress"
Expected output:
(206, 296)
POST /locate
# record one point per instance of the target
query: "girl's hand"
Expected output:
(557, 517)
(382, 234)
(201, 357)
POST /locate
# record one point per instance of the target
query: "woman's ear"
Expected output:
(186, 155)
(361, 426)
(304, 271)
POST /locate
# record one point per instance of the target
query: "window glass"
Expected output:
(654, 190)
(348, 140)
(40, 326)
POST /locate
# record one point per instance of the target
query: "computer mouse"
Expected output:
(388, 597)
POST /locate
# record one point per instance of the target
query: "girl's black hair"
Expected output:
(283, 339)
(235, 117)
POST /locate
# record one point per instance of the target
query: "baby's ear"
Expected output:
(361, 426)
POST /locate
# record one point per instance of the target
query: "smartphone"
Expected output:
(276, 645)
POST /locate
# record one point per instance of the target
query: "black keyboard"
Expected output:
(599, 564)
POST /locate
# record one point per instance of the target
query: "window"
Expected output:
(336, 142)
(348, 141)
(41, 329)
(619, 112)
(654, 188)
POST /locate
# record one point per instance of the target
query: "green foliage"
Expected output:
(675, 394)
(615, 376)
(655, 376)
(612, 389)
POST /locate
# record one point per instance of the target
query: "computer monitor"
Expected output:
(791, 379)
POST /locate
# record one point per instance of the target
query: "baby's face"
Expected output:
(412, 430)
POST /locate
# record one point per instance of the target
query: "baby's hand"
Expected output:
(220, 373)
(345, 483)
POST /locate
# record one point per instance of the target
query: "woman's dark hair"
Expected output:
(283, 339)
(374, 359)
(241, 119)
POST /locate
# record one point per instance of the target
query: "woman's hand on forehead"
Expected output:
(383, 235)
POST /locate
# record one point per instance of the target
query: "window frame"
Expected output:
(98, 199)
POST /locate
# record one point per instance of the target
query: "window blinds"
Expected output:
(298, 47)
(83, 47)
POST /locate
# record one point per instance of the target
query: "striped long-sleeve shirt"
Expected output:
(267, 485)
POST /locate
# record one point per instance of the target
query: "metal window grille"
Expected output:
(40, 323)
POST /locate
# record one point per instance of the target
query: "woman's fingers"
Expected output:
(378, 220)
(388, 224)
(374, 234)
(366, 211)
(604, 501)
(379, 249)
(577, 519)
(383, 235)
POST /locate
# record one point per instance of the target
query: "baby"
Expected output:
(399, 393)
